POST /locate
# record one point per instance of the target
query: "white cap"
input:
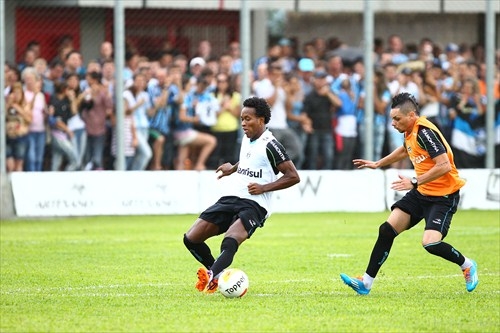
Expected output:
(197, 61)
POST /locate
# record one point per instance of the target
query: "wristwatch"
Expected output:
(414, 182)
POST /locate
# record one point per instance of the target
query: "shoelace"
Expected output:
(467, 274)
(213, 285)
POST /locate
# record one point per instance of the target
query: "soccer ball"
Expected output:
(233, 283)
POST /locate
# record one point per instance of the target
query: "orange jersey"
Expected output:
(422, 162)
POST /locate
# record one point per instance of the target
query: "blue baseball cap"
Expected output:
(306, 65)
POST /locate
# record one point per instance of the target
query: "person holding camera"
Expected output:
(96, 104)
(62, 106)
(17, 121)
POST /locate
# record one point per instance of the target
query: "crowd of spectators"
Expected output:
(183, 113)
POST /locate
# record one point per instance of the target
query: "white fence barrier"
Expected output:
(189, 192)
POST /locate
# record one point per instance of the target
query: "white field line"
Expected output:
(104, 290)
(339, 255)
(85, 288)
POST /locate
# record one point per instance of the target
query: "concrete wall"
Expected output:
(10, 30)
(441, 28)
(92, 30)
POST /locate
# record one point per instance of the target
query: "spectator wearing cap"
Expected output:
(451, 57)
(319, 107)
(305, 71)
(196, 66)
(452, 52)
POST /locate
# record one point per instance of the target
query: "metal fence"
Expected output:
(60, 40)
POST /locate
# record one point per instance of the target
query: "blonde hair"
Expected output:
(18, 86)
(30, 71)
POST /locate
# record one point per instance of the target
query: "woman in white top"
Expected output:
(76, 123)
(138, 104)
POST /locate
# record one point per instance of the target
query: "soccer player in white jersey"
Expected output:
(245, 208)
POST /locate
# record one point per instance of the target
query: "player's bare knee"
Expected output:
(431, 237)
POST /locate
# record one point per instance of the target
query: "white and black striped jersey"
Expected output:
(258, 164)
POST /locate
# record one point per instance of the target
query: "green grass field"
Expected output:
(133, 274)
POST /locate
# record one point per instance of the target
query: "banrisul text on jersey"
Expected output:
(250, 173)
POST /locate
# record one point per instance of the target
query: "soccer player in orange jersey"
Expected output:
(433, 194)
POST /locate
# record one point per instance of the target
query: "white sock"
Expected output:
(368, 281)
(467, 263)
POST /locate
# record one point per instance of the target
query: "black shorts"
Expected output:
(437, 211)
(228, 209)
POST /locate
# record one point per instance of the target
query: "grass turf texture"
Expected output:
(114, 274)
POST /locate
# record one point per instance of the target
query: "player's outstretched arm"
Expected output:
(397, 155)
(360, 164)
(226, 169)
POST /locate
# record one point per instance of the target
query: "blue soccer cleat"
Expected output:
(470, 275)
(355, 283)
